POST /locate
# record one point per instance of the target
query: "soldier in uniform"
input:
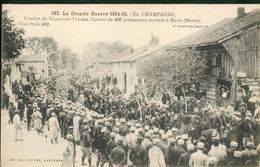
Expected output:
(216, 151)
(43, 110)
(185, 157)
(130, 142)
(86, 145)
(123, 127)
(155, 155)
(138, 154)
(68, 153)
(118, 154)
(54, 128)
(236, 161)
(175, 153)
(198, 159)
(111, 144)
(100, 144)
(21, 108)
(164, 147)
(29, 116)
(11, 111)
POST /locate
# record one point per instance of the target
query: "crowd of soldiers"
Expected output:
(176, 131)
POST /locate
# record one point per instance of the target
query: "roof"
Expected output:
(128, 56)
(31, 58)
(219, 31)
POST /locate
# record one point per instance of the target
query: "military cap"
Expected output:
(140, 129)
(107, 124)
(171, 140)
(132, 129)
(69, 137)
(184, 136)
(129, 123)
(117, 124)
(137, 125)
(147, 134)
(169, 133)
(250, 144)
(249, 114)
(174, 129)
(190, 147)
(104, 129)
(150, 131)
(200, 145)
(164, 136)
(156, 141)
(122, 120)
(161, 132)
(180, 142)
(216, 138)
(237, 154)
(112, 135)
(234, 144)
(146, 127)
(139, 138)
(155, 130)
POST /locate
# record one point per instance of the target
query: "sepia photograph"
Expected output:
(130, 85)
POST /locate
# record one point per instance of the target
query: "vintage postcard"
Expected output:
(135, 85)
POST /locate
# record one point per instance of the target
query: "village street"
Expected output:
(33, 151)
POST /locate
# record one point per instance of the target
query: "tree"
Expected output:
(67, 58)
(174, 68)
(44, 45)
(154, 40)
(103, 49)
(12, 38)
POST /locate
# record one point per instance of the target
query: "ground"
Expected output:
(33, 151)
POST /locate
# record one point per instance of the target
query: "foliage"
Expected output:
(154, 40)
(44, 45)
(67, 58)
(172, 69)
(12, 38)
(103, 49)
(59, 58)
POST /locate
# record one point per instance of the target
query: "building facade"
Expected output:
(232, 49)
(33, 66)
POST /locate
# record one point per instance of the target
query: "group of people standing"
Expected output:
(174, 132)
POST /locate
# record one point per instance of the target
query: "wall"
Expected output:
(39, 66)
(244, 50)
(119, 69)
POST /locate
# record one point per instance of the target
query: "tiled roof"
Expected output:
(129, 56)
(219, 31)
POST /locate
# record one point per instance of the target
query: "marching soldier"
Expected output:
(86, 146)
(118, 155)
(138, 154)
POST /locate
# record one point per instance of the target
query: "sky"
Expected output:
(77, 35)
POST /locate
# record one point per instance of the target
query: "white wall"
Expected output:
(119, 69)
